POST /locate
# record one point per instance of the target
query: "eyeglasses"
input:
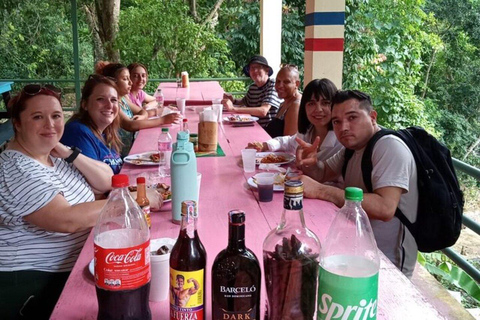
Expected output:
(99, 77)
(34, 89)
(287, 65)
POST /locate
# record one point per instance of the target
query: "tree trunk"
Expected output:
(212, 13)
(98, 51)
(193, 9)
(108, 13)
(471, 149)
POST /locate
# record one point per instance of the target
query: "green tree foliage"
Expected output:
(165, 37)
(384, 43)
(36, 40)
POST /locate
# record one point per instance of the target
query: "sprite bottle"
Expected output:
(349, 264)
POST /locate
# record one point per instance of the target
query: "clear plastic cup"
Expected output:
(248, 159)
(160, 269)
(181, 105)
(265, 182)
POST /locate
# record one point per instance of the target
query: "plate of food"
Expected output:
(274, 157)
(150, 158)
(240, 118)
(161, 188)
(278, 182)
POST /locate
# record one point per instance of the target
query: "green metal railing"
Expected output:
(467, 222)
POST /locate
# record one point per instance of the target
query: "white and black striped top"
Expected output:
(266, 94)
(25, 187)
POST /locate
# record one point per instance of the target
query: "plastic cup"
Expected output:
(181, 105)
(217, 101)
(265, 186)
(219, 110)
(160, 268)
(248, 158)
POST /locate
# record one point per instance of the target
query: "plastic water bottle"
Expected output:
(349, 264)
(185, 125)
(165, 151)
(158, 95)
(122, 256)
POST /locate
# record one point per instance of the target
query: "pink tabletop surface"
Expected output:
(224, 187)
(197, 93)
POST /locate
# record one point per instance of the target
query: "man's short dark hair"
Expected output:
(344, 95)
(179, 276)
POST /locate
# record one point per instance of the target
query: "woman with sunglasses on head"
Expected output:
(285, 122)
(47, 205)
(139, 77)
(314, 120)
(94, 127)
(132, 117)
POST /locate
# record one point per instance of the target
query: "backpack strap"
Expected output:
(348, 156)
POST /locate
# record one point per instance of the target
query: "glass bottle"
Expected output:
(122, 256)
(142, 199)
(349, 263)
(236, 276)
(185, 125)
(290, 256)
(188, 261)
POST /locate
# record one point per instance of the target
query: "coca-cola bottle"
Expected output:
(122, 256)
(188, 261)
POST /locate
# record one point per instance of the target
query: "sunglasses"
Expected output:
(287, 65)
(99, 77)
(34, 89)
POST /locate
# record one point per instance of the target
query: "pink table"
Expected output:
(198, 92)
(224, 187)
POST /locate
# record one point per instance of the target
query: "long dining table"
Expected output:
(197, 93)
(224, 187)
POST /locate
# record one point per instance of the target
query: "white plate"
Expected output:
(253, 184)
(288, 157)
(242, 119)
(144, 159)
(91, 267)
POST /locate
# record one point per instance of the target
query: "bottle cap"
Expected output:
(164, 129)
(185, 120)
(293, 186)
(353, 193)
(120, 181)
(189, 207)
(236, 217)
(140, 180)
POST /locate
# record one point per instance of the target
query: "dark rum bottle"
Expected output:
(188, 261)
(236, 276)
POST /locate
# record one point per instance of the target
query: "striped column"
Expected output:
(324, 38)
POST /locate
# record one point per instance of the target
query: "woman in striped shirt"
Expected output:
(47, 205)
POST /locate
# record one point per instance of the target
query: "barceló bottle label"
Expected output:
(122, 268)
(186, 295)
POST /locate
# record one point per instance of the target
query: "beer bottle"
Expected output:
(236, 276)
(187, 269)
(349, 264)
(142, 199)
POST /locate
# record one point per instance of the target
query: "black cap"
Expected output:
(260, 60)
(236, 216)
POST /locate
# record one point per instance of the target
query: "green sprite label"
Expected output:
(352, 297)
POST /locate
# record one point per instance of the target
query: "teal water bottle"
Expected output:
(183, 167)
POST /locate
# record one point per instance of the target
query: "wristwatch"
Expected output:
(74, 155)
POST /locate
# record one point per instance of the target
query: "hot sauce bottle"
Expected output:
(187, 268)
(142, 199)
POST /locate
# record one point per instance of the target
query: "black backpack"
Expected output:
(440, 200)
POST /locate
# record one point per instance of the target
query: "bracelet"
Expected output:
(74, 155)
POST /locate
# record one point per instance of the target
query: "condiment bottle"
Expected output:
(349, 264)
(188, 261)
(290, 257)
(142, 199)
(185, 81)
(236, 276)
(122, 256)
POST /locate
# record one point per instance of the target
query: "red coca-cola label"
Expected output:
(122, 268)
